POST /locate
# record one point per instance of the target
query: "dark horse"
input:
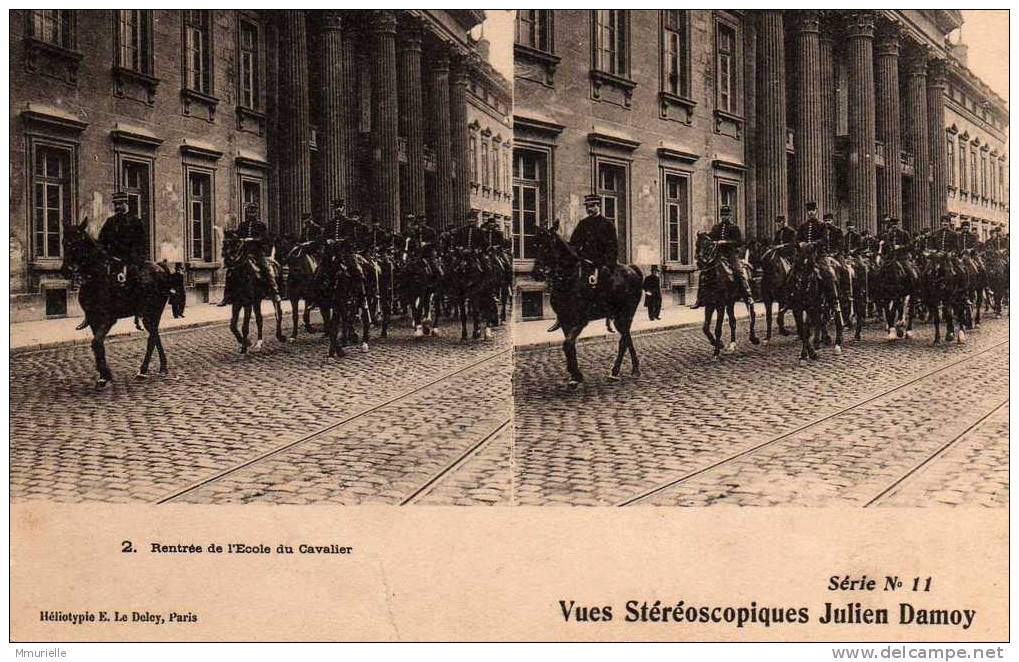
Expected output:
(719, 293)
(246, 290)
(105, 300)
(775, 262)
(576, 304)
(299, 268)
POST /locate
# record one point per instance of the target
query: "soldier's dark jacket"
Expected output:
(943, 239)
(832, 238)
(595, 239)
(853, 240)
(812, 230)
(123, 237)
(895, 236)
(785, 235)
(968, 239)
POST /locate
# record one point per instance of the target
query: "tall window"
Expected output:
(612, 42)
(983, 175)
(677, 219)
(1001, 183)
(54, 26)
(973, 181)
(474, 159)
(728, 196)
(496, 170)
(197, 51)
(534, 29)
(52, 190)
(135, 177)
(485, 181)
(530, 195)
(612, 189)
(250, 92)
(675, 53)
(726, 57)
(962, 166)
(951, 161)
(199, 215)
(134, 46)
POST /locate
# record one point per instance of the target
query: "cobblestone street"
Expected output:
(387, 421)
(757, 428)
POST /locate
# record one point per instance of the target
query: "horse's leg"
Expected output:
(719, 319)
(99, 331)
(708, 311)
(570, 349)
(767, 320)
(935, 317)
(461, 309)
(234, 314)
(731, 313)
(802, 331)
(245, 325)
(150, 345)
(257, 310)
(294, 314)
(620, 350)
(366, 323)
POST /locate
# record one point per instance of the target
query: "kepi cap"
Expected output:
(592, 198)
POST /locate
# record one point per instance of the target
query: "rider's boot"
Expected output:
(84, 324)
(137, 324)
(555, 327)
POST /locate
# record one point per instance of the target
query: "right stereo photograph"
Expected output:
(761, 258)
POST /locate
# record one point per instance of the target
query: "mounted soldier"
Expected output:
(784, 233)
(853, 240)
(833, 238)
(254, 237)
(945, 239)
(595, 242)
(729, 240)
(968, 240)
(123, 238)
(894, 237)
(996, 242)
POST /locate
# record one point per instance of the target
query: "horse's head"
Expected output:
(81, 252)
(705, 250)
(548, 250)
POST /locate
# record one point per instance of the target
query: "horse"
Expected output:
(941, 286)
(246, 289)
(344, 296)
(299, 267)
(105, 300)
(996, 262)
(805, 295)
(774, 263)
(719, 292)
(895, 284)
(473, 278)
(576, 303)
(419, 284)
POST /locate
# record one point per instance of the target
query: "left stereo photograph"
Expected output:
(261, 256)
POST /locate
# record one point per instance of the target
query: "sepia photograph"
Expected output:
(260, 256)
(277, 273)
(794, 225)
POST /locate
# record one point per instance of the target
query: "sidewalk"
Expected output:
(528, 335)
(27, 336)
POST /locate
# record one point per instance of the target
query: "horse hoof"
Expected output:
(487, 334)
(257, 347)
(838, 350)
(101, 383)
(891, 334)
(754, 340)
(635, 372)
(766, 342)
(909, 335)
(961, 338)
(244, 349)
(730, 348)
(364, 347)
(418, 333)
(573, 384)
(899, 332)
(141, 375)
(949, 337)
(614, 376)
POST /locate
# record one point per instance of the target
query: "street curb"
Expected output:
(113, 338)
(546, 344)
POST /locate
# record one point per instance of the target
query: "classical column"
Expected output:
(461, 202)
(295, 124)
(772, 170)
(829, 119)
(862, 131)
(886, 85)
(750, 128)
(809, 138)
(936, 134)
(917, 140)
(385, 154)
(412, 118)
(332, 142)
(443, 149)
(351, 41)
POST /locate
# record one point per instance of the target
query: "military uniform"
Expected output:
(784, 235)
(257, 234)
(729, 238)
(595, 240)
(123, 237)
(852, 240)
(945, 240)
(814, 230)
(968, 239)
(894, 237)
(833, 237)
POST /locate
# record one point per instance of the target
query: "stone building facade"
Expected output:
(490, 144)
(194, 113)
(669, 114)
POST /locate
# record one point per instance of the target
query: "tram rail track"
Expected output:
(750, 450)
(905, 478)
(351, 418)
